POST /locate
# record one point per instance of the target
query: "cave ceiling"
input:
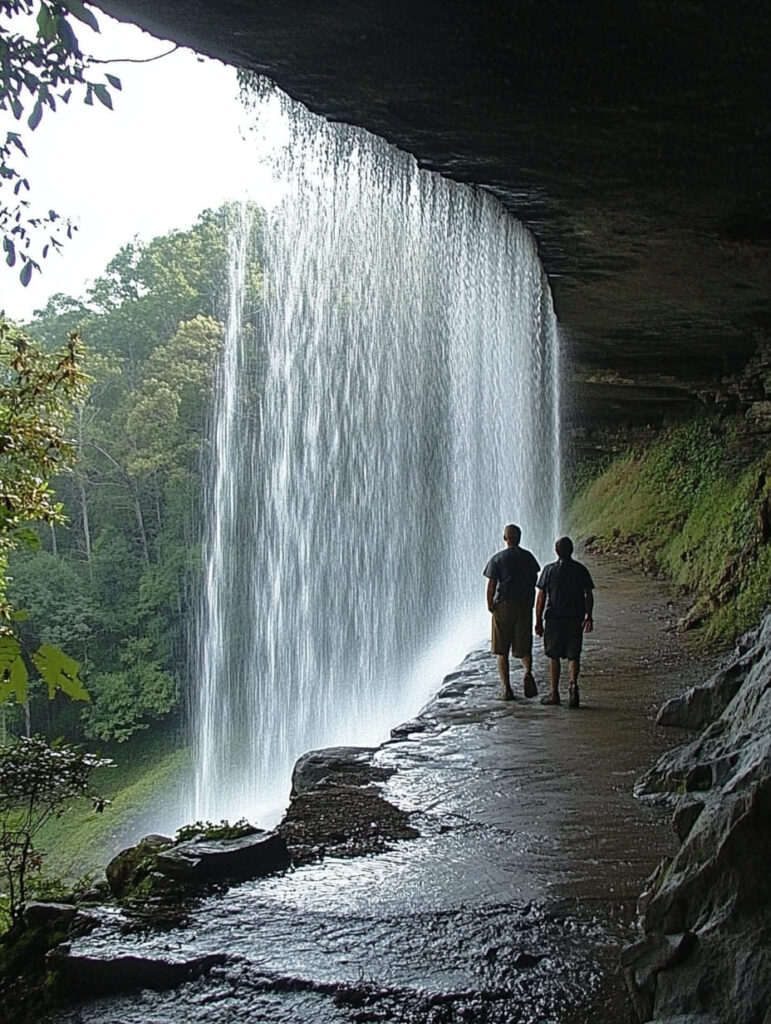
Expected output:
(632, 139)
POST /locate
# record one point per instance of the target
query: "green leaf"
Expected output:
(103, 95)
(13, 671)
(77, 10)
(67, 36)
(14, 138)
(10, 249)
(9, 650)
(46, 23)
(114, 81)
(59, 671)
(26, 273)
(34, 118)
(20, 616)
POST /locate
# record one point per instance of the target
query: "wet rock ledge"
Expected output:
(701, 954)
(705, 952)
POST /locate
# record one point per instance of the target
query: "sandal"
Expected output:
(551, 698)
(574, 700)
(531, 690)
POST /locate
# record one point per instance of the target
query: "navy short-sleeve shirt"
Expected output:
(565, 583)
(515, 571)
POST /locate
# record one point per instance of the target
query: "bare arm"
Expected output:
(540, 602)
(589, 606)
(490, 594)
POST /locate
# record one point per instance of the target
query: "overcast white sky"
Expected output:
(174, 145)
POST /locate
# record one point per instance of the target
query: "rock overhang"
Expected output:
(632, 141)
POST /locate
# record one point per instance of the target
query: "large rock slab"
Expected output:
(236, 859)
(706, 915)
(103, 975)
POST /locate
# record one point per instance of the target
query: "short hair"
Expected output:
(564, 547)
(512, 532)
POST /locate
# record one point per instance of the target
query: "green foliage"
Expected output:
(51, 590)
(57, 670)
(37, 390)
(112, 585)
(208, 830)
(693, 507)
(85, 840)
(37, 72)
(123, 700)
(38, 782)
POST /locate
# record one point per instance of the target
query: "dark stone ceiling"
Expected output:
(631, 138)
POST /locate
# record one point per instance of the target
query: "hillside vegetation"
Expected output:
(694, 507)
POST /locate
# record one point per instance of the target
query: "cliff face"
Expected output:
(704, 952)
(632, 140)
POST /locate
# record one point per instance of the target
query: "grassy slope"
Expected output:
(695, 507)
(82, 840)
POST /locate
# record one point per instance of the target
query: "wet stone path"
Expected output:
(511, 906)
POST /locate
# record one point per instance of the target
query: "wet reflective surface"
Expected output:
(512, 904)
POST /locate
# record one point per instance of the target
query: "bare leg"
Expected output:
(503, 672)
(553, 696)
(528, 683)
(554, 676)
(574, 666)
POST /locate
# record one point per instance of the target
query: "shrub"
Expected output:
(38, 781)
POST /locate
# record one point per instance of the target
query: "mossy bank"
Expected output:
(693, 505)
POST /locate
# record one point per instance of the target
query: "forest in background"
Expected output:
(115, 588)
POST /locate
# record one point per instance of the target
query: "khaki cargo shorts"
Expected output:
(512, 628)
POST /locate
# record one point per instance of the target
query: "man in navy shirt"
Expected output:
(563, 613)
(511, 576)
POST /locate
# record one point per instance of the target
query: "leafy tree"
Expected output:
(37, 73)
(132, 545)
(37, 390)
(38, 781)
(124, 700)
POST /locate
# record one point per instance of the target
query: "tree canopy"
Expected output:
(114, 585)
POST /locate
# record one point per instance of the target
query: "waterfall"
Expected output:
(391, 407)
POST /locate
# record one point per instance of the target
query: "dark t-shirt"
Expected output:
(515, 571)
(565, 583)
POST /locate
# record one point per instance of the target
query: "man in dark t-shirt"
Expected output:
(563, 613)
(511, 576)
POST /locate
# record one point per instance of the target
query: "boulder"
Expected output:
(238, 859)
(704, 954)
(701, 705)
(130, 867)
(39, 914)
(317, 765)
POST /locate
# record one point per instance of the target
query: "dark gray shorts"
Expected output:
(563, 638)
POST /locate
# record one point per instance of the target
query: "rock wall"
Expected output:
(705, 951)
(633, 143)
